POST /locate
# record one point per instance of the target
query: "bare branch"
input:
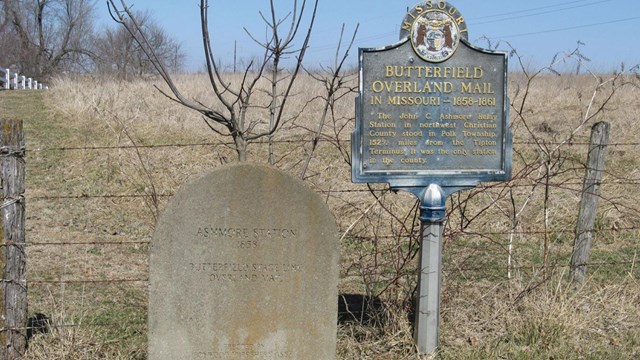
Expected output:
(332, 85)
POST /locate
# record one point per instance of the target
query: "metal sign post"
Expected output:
(432, 118)
(427, 319)
(432, 218)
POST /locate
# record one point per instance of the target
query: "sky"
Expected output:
(606, 31)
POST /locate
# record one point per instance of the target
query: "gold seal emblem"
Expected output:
(435, 35)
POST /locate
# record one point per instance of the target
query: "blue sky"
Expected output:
(609, 29)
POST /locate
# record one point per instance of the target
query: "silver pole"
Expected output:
(427, 321)
(427, 318)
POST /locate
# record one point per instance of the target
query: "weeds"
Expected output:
(507, 246)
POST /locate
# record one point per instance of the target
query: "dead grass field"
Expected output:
(92, 200)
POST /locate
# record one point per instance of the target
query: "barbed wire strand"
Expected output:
(290, 141)
(563, 185)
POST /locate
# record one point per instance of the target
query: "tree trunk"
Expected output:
(241, 147)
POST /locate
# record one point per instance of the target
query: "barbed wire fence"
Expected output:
(88, 245)
(453, 233)
(380, 252)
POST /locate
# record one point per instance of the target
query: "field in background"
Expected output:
(103, 158)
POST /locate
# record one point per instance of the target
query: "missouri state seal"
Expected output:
(435, 30)
(435, 36)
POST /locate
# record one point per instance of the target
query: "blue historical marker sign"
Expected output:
(432, 108)
(431, 118)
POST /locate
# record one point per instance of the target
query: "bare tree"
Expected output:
(235, 120)
(9, 37)
(48, 35)
(337, 85)
(118, 53)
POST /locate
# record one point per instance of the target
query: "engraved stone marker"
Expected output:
(244, 265)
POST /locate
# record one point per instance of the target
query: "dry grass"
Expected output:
(532, 314)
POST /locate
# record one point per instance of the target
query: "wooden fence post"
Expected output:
(589, 202)
(13, 337)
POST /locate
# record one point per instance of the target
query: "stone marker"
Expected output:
(244, 265)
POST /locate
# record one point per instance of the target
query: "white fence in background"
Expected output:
(13, 81)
